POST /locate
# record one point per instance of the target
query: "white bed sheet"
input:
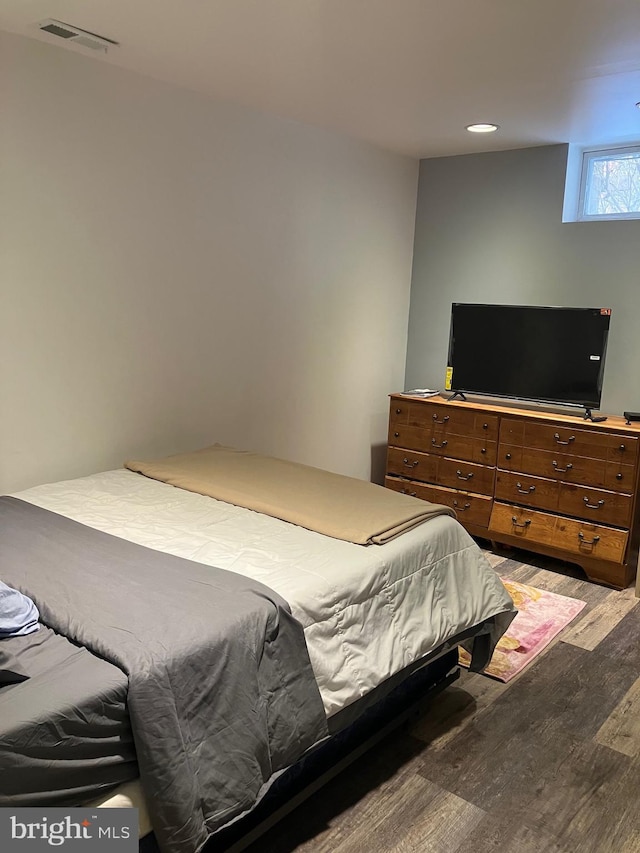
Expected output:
(367, 611)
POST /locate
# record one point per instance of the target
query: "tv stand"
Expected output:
(458, 394)
(542, 481)
(588, 416)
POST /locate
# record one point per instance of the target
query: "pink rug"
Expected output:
(541, 617)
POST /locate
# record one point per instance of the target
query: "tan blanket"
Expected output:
(337, 506)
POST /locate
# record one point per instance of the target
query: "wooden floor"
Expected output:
(549, 763)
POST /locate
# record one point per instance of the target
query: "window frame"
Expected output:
(588, 155)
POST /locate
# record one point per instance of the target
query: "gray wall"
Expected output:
(489, 229)
(176, 271)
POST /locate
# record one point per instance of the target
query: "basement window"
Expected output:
(610, 184)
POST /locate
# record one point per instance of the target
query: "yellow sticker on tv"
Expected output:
(448, 379)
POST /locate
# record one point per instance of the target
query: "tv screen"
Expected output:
(553, 355)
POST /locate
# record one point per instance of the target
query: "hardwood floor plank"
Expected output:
(590, 803)
(502, 833)
(631, 843)
(419, 818)
(591, 593)
(515, 570)
(584, 698)
(622, 643)
(621, 730)
(589, 632)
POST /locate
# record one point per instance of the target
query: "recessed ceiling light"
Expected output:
(482, 128)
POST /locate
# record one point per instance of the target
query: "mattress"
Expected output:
(367, 612)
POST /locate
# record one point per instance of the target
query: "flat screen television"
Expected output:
(544, 354)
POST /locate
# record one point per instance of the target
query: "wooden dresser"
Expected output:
(550, 483)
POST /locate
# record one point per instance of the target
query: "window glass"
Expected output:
(610, 186)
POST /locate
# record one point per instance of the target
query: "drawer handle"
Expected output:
(562, 470)
(618, 476)
(592, 506)
(396, 434)
(622, 448)
(507, 456)
(559, 440)
(462, 476)
(461, 508)
(436, 421)
(398, 411)
(525, 491)
(517, 523)
(407, 492)
(485, 426)
(411, 464)
(587, 541)
(434, 443)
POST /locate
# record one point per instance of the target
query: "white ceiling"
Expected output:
(407, 75)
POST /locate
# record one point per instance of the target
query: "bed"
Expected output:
(335, 623)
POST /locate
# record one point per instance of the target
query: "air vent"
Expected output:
(74, 35)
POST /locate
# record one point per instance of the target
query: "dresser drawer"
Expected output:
(595, 504)
(575, 440)
(440, 471)
(574, 537)
(566, 498)
(457, 474)
(530, 491)
(443, 444)
(475, 509)
(408, 463)
(438, 417)
(564, 466)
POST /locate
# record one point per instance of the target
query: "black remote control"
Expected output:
(632, 416)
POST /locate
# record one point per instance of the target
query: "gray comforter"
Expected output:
(221, 692)
(65, 734)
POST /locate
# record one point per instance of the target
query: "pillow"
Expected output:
(18, 614)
